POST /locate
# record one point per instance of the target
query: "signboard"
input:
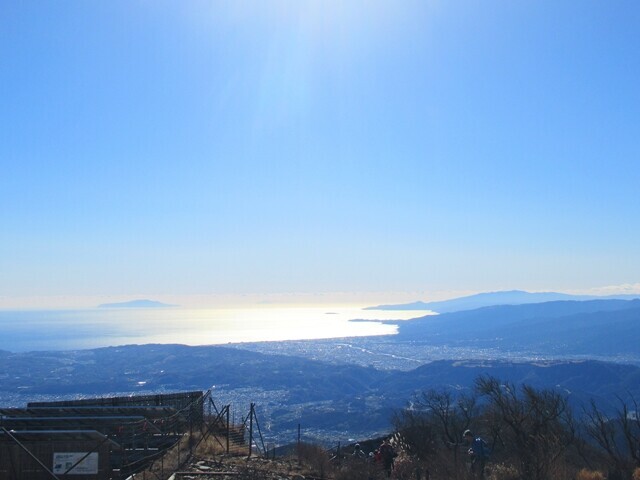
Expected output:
(63, 461)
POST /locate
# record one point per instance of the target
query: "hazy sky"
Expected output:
(206, 147)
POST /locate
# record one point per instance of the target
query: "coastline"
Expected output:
(55, 330)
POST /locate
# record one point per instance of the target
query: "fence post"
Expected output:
(250, 429)
(298, 449)
(190, 431)
(228, 429)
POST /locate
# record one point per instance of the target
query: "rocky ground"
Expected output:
(302, 462)
(254, 468)
(209, 459)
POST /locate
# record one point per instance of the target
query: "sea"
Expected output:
(54, 330)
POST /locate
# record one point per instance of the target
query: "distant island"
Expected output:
(137, 304)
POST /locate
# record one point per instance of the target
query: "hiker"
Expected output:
(478, 452)
(358, 452)
(387, 455)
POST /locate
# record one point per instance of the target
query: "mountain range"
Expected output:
(510, 297)
(595, 328)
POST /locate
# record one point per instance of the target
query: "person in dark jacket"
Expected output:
(478, 452)
(358, 452)
(388, 455)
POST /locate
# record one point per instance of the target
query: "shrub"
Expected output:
(501, 471)
(212, 446)
(406, 468)
(315, 457)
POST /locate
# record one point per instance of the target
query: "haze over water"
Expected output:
(99, 327)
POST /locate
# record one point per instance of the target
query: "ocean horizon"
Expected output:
(76, 329)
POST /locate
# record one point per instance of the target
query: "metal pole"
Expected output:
(228, 428)
(250, 429)
(190, 433)
(298, 449)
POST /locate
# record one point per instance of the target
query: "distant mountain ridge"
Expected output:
(487, 299)
(592, 327)
(137, 304)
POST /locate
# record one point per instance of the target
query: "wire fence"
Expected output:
(143, 438)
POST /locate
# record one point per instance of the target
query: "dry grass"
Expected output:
(407, 468)
(585, 474)
(316, 458)
(170, 461)
(502, 471)
(193, 446)
(359, 471)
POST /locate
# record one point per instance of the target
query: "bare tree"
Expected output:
(537, 424)
(419, 436)
(454, 414)
(618, 436)
(433, 426)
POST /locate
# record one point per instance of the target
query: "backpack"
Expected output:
(480, 448)
(387, 452)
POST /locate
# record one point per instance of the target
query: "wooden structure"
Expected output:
(94, 439)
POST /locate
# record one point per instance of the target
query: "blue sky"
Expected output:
(229, 148)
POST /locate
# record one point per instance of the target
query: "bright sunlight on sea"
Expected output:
(99, 327)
